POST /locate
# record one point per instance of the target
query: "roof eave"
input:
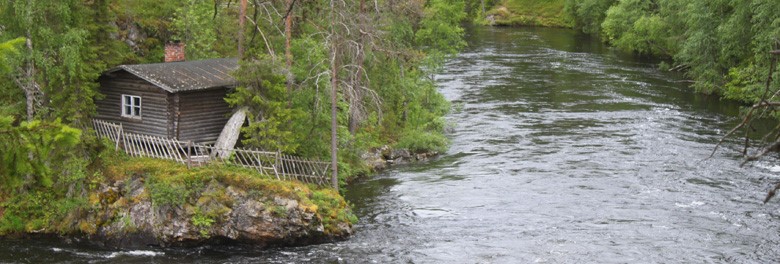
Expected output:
(152, 81)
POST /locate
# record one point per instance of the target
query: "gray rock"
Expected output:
(236, 215)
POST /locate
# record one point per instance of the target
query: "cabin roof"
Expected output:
(185, 75)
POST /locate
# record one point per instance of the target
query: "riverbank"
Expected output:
(382, 158)
(527, 13)
(134, 203)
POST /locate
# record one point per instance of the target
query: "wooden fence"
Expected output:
(283, 167)
(108, 130)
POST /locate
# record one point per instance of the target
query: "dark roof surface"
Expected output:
(185, 75)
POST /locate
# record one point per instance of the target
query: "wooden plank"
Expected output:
(174, 148)
(132, 143)
(161, 146)
(149, 145)
(142, 146)
(126, 145)
(156, 146)
(189, 154)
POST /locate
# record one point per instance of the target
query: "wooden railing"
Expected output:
(108, 130)
(283, 167)
(302, 169)
(137, 145)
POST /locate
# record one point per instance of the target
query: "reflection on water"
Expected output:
(563, 151)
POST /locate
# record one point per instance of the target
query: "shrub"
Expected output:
(423, 141)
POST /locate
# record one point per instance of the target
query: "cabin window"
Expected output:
(131, 106)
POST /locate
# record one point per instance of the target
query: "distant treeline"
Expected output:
(722, 45)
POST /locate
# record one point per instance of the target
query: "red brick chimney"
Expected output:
(174, 51)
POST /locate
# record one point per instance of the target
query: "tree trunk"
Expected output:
(31, 89)
(333, 90)
(287, 49)
(241, 22)
(355, 114)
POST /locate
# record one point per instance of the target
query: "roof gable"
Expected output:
(185, 75)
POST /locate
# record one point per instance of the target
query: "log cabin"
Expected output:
(179, 99)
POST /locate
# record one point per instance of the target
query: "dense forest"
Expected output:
(322, 79)
(380, 56)
(722, 46)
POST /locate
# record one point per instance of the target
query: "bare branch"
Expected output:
(267, 45)
(773, 147)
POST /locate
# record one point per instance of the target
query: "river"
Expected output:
(563, 151)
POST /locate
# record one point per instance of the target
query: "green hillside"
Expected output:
(548, 13)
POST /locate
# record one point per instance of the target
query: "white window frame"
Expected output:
(131, 106)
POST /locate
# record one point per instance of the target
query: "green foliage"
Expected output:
(34, 152)
(10, 95)
(71, 45)
(153, 26)
(332, 209)
(44, 175)
(440, 32)
(476, 10)
(164, 193)
(636, 25)
(724, 45)
(202, 222)
(203, 31)
(407, 46)
(264, 93)
(529, 13)
(8, 49)
(421, 141)
(588, 15)
(36, 211)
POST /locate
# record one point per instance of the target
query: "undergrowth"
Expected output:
(49, 210)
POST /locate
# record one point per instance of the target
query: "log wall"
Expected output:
(154, 104)
(202, 115)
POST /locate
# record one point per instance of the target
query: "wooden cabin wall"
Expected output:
(154, 104)
(203, 114)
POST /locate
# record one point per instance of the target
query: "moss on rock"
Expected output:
(137, 202)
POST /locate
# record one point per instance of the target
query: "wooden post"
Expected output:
(118, 136)
(189, 154)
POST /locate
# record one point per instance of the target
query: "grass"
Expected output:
(547, 13)
(173, 184)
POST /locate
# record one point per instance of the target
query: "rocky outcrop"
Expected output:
(128, 217)
(381, 158)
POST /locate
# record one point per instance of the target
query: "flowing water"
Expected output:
(563, 151)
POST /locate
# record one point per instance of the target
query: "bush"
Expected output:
(423, 141)
(332, 209)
